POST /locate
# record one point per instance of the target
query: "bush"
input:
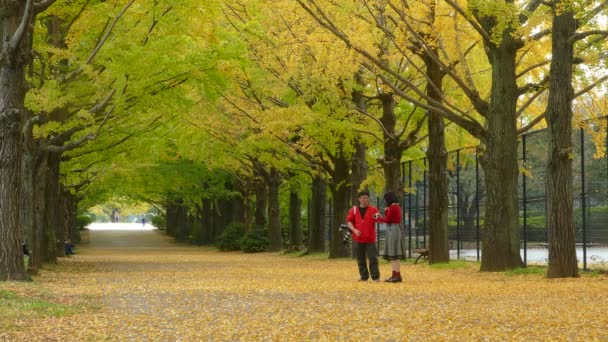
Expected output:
(82, 221)
(230, 238)
(256, 240)
(159, 222)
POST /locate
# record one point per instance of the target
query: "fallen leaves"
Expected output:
(184, 293)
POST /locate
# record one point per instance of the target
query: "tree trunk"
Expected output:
(437, 156)
(182, 222)
(207, 221)
(12, 113)
(340, 188)
(392, 151)
(239, 214)
(171, 219)
(261, 201)
(54, 230)
(28, 211)
(274, 213)
(359, 165)
(501, 229)
(39, 240)
(317, 224)
(562, 247)
(295, 220)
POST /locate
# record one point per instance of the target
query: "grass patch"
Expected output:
(527, 270)
(594, 272)
(452, 265)
(13, 305)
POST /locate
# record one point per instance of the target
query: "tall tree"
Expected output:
(15, 53)
(560, 221)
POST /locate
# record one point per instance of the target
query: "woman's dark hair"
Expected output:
(390, 198)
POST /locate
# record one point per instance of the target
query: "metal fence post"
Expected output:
(424, 207)
(583, 198)
(330, 220)
(458, 242)
(409, 216)
(378, 230)
(477, 200)
(525, 206)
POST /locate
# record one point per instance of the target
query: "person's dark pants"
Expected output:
(372, 254)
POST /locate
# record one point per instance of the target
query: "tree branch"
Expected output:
(100, 44)
(591, 86)
(485, 35)
(583, 35)
(42, 6)
(22, 28)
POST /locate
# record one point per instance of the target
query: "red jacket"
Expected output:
(392, 214)
(366, 225)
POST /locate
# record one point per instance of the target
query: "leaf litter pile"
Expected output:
(169, 292)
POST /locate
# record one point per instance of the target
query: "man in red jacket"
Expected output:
(361, 221)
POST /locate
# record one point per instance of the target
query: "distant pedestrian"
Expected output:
(69, 247)
(143, 221)
(394, 246)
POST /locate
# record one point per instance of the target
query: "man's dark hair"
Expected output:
(390, 198)
(363, 193)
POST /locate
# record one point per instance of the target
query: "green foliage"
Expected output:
(13, 306)
(527, 270)
(256, 240)
(159, 221)
(82, 221)
(452, 265)
(230, 239)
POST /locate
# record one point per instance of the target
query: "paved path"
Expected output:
(144, 287)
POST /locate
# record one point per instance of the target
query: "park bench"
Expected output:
(422, 253)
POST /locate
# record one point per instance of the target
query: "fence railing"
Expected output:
(467, 198)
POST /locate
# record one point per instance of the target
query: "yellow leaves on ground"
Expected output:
(165, 292)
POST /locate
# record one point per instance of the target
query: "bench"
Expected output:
(422, 253)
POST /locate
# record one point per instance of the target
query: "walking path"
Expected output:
(137, 285)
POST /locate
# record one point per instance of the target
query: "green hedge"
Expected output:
(82, 221)
(230, 238)
(256, 240)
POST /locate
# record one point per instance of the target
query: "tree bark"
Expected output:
(54, 229)
(318, 222)
(295, 220)
(501, 229)
(261, 201)
(13, 60)
(340, 189)
(392, 151)
(562, 246)
(359, 165)
(437, 156)
(207, 221)
(274, 213)
(39, 241)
